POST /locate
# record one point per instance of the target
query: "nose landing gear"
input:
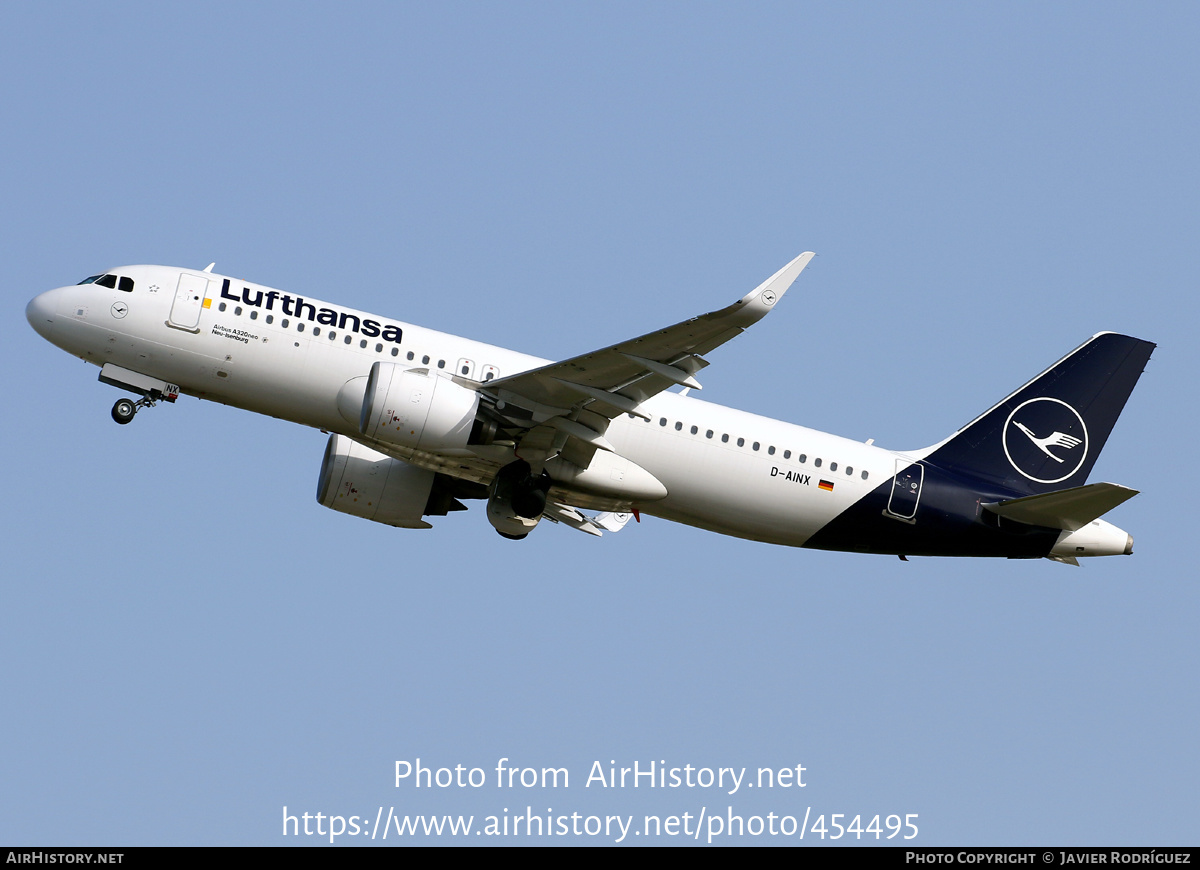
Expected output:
(125, 409)
(152, 389)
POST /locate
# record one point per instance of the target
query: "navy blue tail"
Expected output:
(1047, 435)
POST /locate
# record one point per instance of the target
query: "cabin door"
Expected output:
(906, 489)
(189, 302)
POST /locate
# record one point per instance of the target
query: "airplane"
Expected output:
(420, 421)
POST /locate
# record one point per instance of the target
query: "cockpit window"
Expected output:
(113, 282)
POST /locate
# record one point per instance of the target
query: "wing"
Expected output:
(563, 409)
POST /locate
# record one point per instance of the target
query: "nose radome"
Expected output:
(40, 313)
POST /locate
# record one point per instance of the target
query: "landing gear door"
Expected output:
(189, 302)
(906, 489)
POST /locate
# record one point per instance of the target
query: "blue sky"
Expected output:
(193, 643)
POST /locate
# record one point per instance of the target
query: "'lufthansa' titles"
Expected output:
(295, 306)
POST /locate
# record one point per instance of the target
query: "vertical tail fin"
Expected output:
(1046, 436)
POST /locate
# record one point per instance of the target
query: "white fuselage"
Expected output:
(274, 353)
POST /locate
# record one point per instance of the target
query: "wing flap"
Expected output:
(608, 521)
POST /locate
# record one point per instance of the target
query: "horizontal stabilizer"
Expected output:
(1068, 509)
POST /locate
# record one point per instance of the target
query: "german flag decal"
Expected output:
(826, 485)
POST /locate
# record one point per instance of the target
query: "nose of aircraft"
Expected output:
(41, 313)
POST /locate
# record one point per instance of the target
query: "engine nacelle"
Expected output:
(516, 500)
(362, 482)
(415, 408)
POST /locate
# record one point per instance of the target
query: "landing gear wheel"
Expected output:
(123, 411)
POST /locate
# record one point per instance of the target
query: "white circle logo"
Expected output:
(1045, 440)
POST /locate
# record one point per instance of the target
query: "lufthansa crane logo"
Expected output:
(1045, 440)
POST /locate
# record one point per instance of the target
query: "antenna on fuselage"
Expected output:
(209, 268)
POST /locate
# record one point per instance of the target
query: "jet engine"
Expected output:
(359, 481)
(516, 500)
(415, 408)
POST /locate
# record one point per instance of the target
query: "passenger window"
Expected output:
(741, 442)
(695, 430)
(441, 364)
(379, 348)
(725, 438)
(254, 314)
(771, 450)
(284, 323)
(332, 335)
(864, 475)
(802, 459)
(221, 307)
(849, 470)
(833, 466)
(662, 421)
(787, 454)
(425, 360)
(708, 434)
(411, 355)
(817, 462)
(125, 284)
(349, 338)
(395, 351)
(678, 426)
(755, 445)
(361, 344)
(270, 319)
(300, 327)
(237, 310)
